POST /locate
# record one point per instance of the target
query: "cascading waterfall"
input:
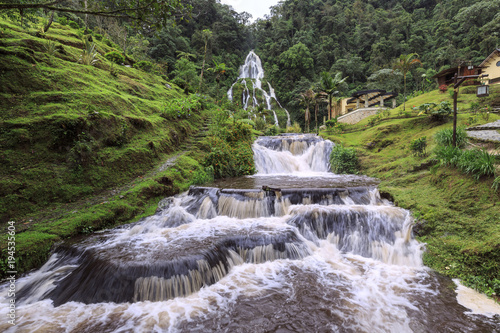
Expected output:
(252, 70)
(270, 258)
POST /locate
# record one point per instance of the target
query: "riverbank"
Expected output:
(455, 215)
(82, 146)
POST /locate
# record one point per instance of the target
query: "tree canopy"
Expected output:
(157, 13)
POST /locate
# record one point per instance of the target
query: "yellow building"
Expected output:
(491, 66)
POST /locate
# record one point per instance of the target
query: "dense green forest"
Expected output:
(361, 39)
(300, 39)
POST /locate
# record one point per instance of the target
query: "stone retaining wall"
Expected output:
(358, 115)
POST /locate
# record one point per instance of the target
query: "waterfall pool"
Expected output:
(293, 248)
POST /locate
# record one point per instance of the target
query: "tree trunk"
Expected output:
(47, 26)
(316, 116)
(329, 106)
(404, 93)
(307, 118)
(86, 16)
(203, 66)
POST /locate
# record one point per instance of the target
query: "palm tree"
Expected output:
(404, 64)
(329, 86)
(306, 98)
(185, 55)
(219, 70)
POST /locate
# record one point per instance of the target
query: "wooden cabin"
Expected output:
(446, 76)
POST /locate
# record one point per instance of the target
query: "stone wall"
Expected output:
(358, 115)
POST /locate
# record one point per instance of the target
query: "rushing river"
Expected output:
(309, 252)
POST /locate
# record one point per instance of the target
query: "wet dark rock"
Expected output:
(422, 228)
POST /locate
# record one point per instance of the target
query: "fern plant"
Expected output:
(89, 54)
(50, 47)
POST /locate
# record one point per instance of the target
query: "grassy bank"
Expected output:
(71, 136)
(457, 216)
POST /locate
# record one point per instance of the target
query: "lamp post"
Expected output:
(457, 81)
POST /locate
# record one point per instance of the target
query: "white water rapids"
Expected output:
(287, 259)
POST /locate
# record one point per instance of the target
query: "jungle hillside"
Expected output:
(105, 109)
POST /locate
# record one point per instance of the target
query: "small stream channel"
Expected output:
(311, 252)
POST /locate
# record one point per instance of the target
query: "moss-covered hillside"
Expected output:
(70, 131)
(457, 216)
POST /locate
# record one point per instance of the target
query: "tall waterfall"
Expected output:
(252, 72)
(275, 258)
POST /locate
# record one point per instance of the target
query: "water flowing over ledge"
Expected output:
(253, 72)
(334, 257)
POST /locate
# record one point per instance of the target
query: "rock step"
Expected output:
(485, 135)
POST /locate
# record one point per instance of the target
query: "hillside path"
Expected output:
(486, 132)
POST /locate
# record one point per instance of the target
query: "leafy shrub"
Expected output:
(344, 160)
(181, 108)
(50, 47)
(444, 110)
(238, 131)
(425, 108)
(73, 25)
(260, 124)
(295, 128)
(89, 54)
(115, 56)
(98, 37)
(203, 176)
(62, 20)
(443, 88)
(475, 162)
(331, 123)
(272, 130)
(485, 113)
(81, 152)
(445, 137)
(374, 120)
(145, 66)
(418, 146)
(474, 107)
(447, 155)
(496, 185)
(248, 121)
(230, 160)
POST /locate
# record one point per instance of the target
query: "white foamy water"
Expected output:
(477, 303)
(297, 155)
(249, 260)
(253, 71)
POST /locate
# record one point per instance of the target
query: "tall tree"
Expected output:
(206, 35)
(219, 70)
(319, 97)
(153, 13)
(404, 64)
(330, 85)
(306, 99)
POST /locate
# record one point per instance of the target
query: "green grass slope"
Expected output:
(70, 131)
(457, 216)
